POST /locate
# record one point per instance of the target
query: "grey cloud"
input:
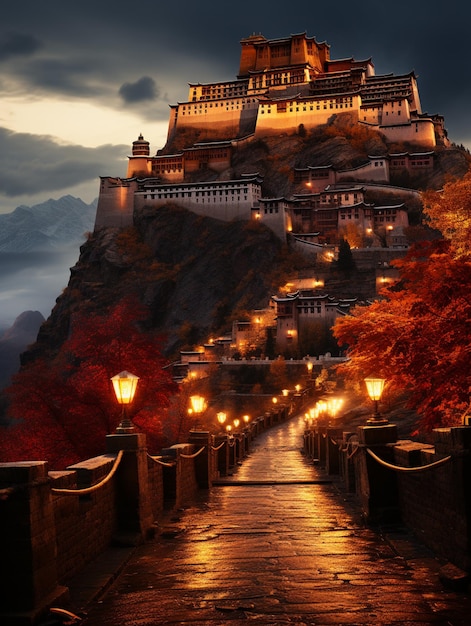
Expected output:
(18, 44)
(31, 164)
(70, 76)
(143, 89)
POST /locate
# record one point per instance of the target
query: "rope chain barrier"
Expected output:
(192, 456)
(159, 462)
(399, 468)
(215, 449)
(87, 490)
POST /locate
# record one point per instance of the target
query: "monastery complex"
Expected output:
(284, 86)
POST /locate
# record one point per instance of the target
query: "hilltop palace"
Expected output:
(283, 85)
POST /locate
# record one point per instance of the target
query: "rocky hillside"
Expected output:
(198, 274)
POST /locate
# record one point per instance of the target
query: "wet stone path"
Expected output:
(278, 543)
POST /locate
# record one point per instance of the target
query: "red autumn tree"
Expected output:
(63, 409)
(419, 336)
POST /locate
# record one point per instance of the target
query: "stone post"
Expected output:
(28, 556)
(376, 485)
(133, 502)
(201, 438)
(332, 451)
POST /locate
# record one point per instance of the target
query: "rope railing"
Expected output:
(159, 462)
(87, 490)
(215, 449)
(192, 456)
(400, 468)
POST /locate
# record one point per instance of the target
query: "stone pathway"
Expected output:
(278, 543)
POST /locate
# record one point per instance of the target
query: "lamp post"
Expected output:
(124, 385)
(198, 405)
(221, 417)
(375, 387)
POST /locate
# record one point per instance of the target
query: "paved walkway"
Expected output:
(289, 550)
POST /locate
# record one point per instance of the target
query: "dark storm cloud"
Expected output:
(17, 44)
(143, 89)
(31, 163)
(73, 76)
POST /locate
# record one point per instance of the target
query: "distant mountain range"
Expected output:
(15, 340)
(38, 245)
(52, 225)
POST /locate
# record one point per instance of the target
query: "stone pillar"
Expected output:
(28, 557)
(347, 469)
(376, 485)
(201, 438)
(332, 451)
(133, 501)
(222, 458)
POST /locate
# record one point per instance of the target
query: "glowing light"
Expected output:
(124, 385)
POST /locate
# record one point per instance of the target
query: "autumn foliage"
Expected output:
(419, 336)
(63, 408)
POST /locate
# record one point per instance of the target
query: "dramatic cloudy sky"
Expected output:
(80, 80)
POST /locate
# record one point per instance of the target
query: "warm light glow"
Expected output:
(246, 419)
(274, 400)
(236, 423)
(309, 366)
(285, 392)
(375, 387)
(221, 417)
(124, 385)
(198, 404)
(297, 387)
(228, 428)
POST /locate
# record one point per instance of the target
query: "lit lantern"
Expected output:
(125, 385)
(198, 404)
(375, 387)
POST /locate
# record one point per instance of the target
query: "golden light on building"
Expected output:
(221, 417)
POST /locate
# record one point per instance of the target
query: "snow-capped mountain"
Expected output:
(52, 225)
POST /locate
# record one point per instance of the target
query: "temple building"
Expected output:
(283, 85)
(286, 83)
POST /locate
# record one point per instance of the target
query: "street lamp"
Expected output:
(198, 405)
(375, 387)
(221, 417)
(124, 385)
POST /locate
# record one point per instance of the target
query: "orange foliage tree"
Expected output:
(63, 408)
(419, 336)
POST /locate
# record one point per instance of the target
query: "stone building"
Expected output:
(291, 82)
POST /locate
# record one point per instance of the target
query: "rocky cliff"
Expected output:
(196, 275)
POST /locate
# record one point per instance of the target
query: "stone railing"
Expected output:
(53, 523)
(424, 486)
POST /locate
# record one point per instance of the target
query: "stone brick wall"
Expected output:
(435, 502)
(84, 523)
